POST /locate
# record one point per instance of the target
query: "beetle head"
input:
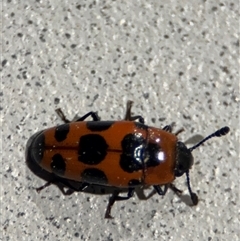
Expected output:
(184, 160)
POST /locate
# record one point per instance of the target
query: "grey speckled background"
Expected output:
(178, 61)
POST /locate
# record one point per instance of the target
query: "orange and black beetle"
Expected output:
(122, 154)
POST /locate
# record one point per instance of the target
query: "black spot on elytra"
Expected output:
(94, 175)
(61, 132)
(92, 149)
(134, 182)
(132, 156)
(58, 165)
(152, 152)
(99, 125)
(36, 146)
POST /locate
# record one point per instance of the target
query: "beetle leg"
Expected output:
(66, 184)
(111, 201)
(168, 128)
(62, 116)
(129, 195)
(61, 188)
(163, 192)
(114, 198)
(128, 115)
(83, 186)
(94, 116)
(159, 189)
(179, 131)
(175, 190)
(193, 195)
(47, 184)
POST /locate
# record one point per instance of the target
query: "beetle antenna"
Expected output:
(221, 132)
(193, 195)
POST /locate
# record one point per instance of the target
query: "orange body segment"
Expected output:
(164, 172)
(69, 148)
(120, 154)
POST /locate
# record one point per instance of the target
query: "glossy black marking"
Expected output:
(134, 182)
(61, 132)
(94, 175)
(36, 146)
(153, 151)
(133, 153)
(58, 165)
(92, 149)
(184, 159)
(99, 125)
(141, 126)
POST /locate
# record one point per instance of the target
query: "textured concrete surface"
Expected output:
(178, 61)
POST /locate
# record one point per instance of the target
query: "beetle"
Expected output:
(121, 154)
